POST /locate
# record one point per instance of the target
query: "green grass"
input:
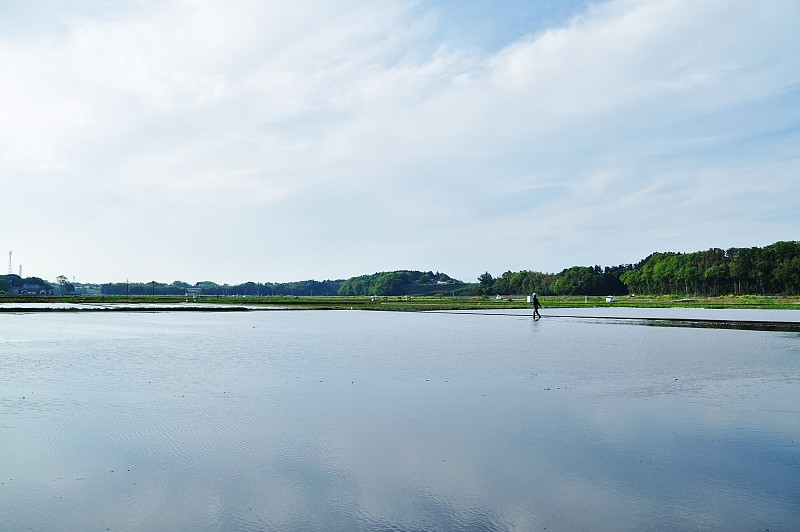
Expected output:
(420, 303)
(678, 301)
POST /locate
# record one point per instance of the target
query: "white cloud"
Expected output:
(344, 128)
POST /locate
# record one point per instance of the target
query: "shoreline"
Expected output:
(409, 303)
(605, 313)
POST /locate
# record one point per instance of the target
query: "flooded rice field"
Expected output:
(354, 420)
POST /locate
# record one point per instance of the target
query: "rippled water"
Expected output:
(313, 420)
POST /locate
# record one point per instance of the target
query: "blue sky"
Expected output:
(273, 141)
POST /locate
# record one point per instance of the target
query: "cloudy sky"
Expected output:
(274, 141)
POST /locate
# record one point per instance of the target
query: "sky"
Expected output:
(275, 141)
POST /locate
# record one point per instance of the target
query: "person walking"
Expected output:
(536, 307)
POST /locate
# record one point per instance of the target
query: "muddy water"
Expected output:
(402, 421)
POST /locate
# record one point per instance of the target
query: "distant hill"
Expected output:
(399, 283)
(771, 270)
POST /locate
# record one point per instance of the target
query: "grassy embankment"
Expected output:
(421, 303)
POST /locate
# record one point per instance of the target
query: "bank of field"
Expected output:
(422, 303)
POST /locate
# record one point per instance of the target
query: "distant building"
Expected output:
(32, 290)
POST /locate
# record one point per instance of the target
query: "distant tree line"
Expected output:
(398, 283)
(209, 288)
(578, 280)
(771, 270)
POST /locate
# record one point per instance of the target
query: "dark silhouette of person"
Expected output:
(536, 307)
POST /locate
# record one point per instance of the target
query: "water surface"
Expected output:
(320, 420)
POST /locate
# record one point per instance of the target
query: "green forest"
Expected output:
(402, 282)
(770, 270)
(774, 269)
(399, 283)
(578, 280)
(210, 288)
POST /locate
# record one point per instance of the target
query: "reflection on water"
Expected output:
(735, 325)
(398, 421)
(738, 319)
